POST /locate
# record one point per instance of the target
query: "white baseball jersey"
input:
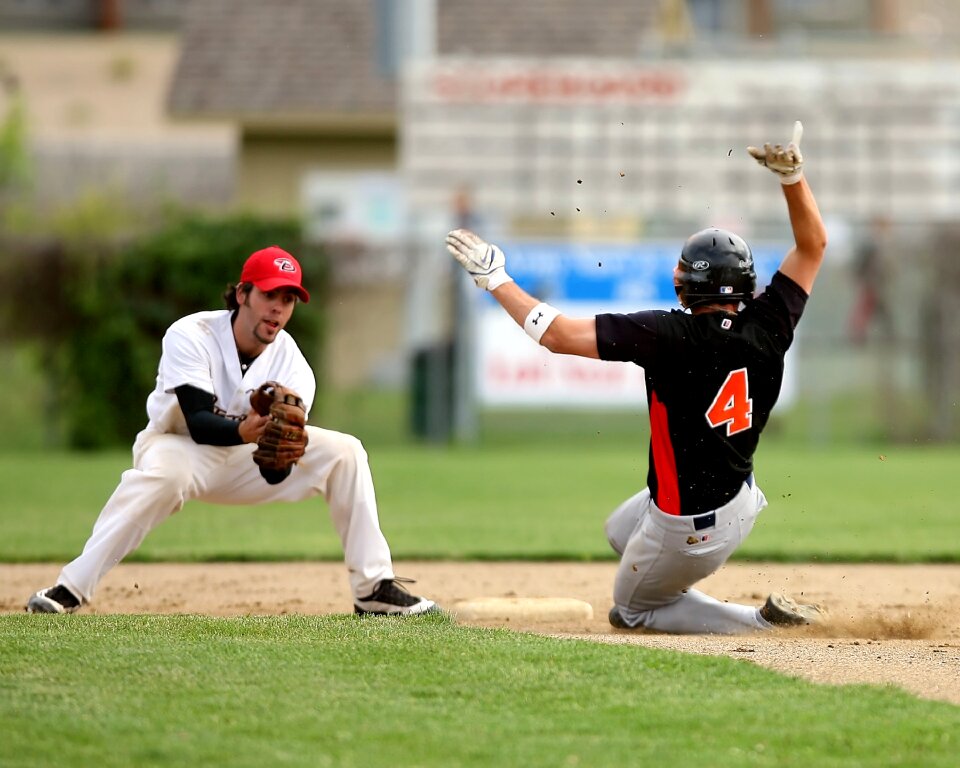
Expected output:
(170, 469)
(200, 350)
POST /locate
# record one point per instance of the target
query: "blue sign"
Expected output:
(639, 274)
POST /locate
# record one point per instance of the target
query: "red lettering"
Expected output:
(509, 372)
(535, 87)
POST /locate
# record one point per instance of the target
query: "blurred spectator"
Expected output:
(871, 275)
(464, 213)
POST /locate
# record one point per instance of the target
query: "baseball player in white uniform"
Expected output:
(202, 432)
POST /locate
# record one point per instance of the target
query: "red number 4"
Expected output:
(732, 405)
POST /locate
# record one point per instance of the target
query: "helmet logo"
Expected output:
(700, 265)
(726, 289)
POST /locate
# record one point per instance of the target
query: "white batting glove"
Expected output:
(786, 162)
(485, 262)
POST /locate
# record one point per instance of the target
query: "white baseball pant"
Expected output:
(663, 556)
(170, 470)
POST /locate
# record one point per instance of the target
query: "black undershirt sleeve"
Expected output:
(205, 426)
(209, 428)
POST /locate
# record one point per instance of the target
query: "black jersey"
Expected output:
(712, 380)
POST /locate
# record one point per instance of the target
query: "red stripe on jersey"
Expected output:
(664, 462)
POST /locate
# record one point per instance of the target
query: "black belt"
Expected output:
(707, 520)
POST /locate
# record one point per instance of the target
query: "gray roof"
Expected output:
(596, 28)
(288, 57)
(310, 60)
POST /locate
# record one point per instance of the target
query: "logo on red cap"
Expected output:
(272, 268)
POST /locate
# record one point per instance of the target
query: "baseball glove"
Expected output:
(284, 439)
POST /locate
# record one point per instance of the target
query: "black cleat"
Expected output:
(616, 619)
(56, 599)
(391, 598)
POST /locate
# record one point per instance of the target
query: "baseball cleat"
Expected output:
(616, 619)
(781, 611)
(391, 598)
(56, 599)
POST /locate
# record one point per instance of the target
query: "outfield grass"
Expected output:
(338, 691)
(511, 501)
(341, 691)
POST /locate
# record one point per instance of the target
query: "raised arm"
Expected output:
(486, 264)
(802, 262)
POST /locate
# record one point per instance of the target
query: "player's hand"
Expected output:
(251, 427)
(786, 162)
(485, 263)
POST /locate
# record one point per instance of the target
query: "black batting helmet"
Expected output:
(715, 265)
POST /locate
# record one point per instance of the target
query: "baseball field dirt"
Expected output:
(888, 624)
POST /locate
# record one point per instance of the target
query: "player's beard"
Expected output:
(268, 335)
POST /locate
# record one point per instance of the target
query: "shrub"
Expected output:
(99, 306)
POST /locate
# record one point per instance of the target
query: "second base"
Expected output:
(522, 608)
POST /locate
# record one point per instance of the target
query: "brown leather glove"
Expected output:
(284, 440)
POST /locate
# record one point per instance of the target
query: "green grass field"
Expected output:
(338, 691)
(511, 502)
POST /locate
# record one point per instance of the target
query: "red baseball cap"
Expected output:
(273, 268)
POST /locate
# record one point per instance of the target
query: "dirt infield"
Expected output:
(896, 625)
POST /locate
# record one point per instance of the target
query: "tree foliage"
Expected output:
(14, 156)
(98, 307)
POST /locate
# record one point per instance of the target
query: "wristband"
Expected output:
(793, 178)
(497, 278)
(539, 319)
